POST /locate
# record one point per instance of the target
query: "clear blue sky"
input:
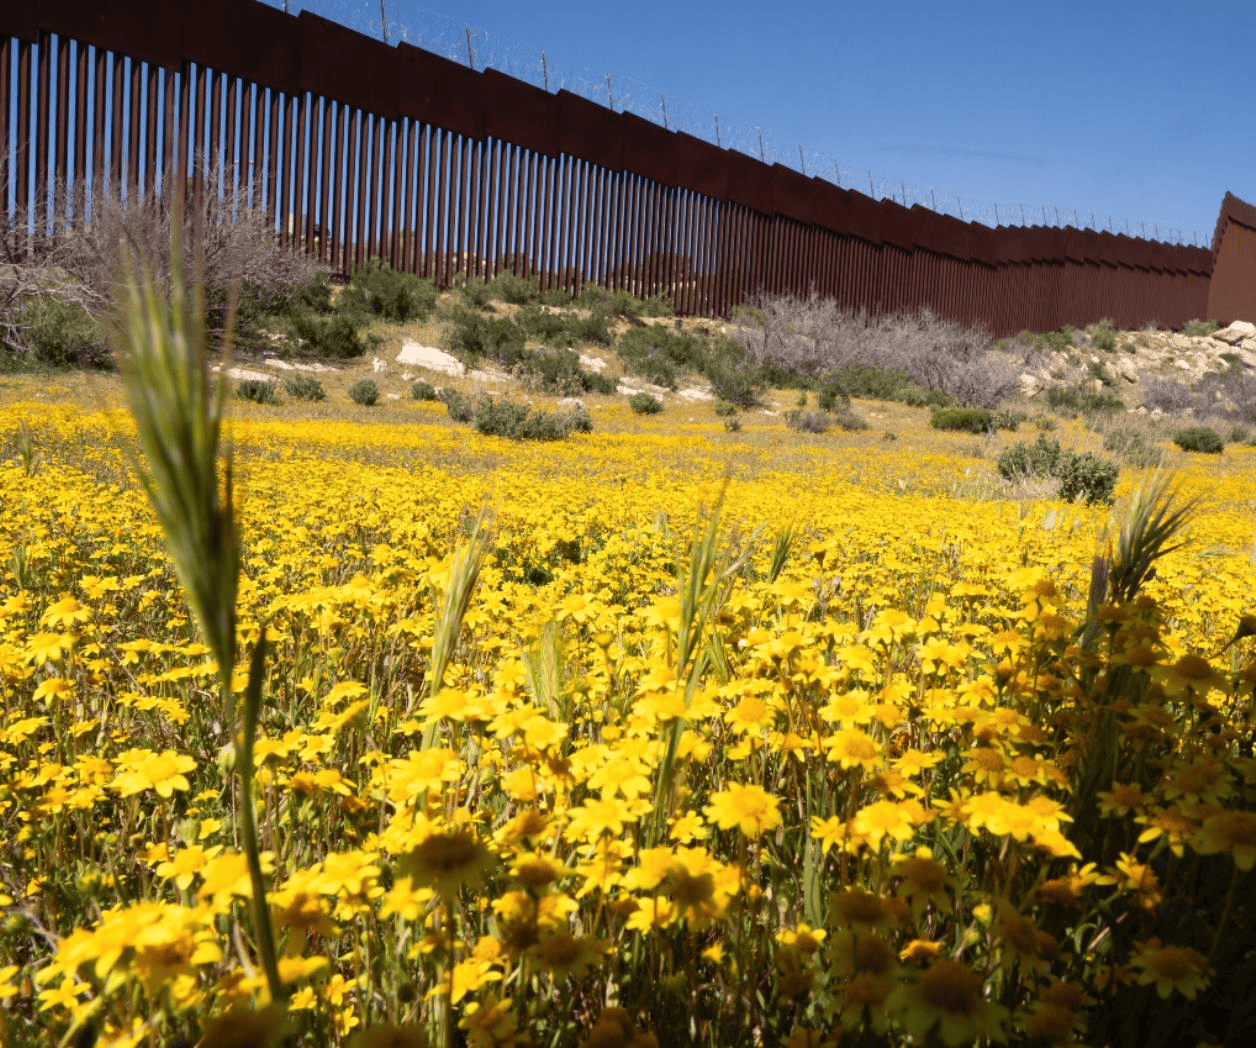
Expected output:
(1137, 112)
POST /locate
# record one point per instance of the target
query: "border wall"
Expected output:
(357, 149)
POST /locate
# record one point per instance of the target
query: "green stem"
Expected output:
(248, 818)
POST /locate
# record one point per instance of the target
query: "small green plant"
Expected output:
(965, 420)
(1097, 369)
(1083, 476)
(732, 425)
(304, 387)
(1203, 439)
(1058, 341)
(1103, 336)
(1045, 423)
(59, 334)
(471, 337)
(258, 390)
(645, 404)
(807, 421)
(424, 391)
(1200, 328)
(364, 392)
(724, 409)
(887, 435)
(1009, 420)
(802, 400)
(1239, 434)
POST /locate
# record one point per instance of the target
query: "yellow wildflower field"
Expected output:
(742, 738)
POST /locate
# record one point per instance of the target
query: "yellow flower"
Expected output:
(948, 999)
(852, 748)
(163, 772)
(751, 809)
(1170, 968)
(882, 819)
(1230, 831)
(447, 861)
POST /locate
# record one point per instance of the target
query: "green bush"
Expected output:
(313, 296)
(872, 383)
(335, 337)
(477, 294)
(59, 334)
(424, 391)
(304, 387)
(1200, 328)
(1083, 476)
(732, 425)
(723, 408)
(1203, 439)
(966, 420)
(471, 337)
(258, 390)
(849, 421)
(1097, 369)
(645, 404)
(503, 418)
(1009, 420)
(1239, 434)
(460, 408)
(1074, 400)
(364, 392)
(517, 290)
(807, 421)
(1087, 478)
(377, 290)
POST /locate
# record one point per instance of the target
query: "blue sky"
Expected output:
(1135, 112)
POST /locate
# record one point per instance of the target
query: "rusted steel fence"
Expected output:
(1232, 290)
(359, 150)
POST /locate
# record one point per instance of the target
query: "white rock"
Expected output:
(592, 363)
(1236, 332)
(695, 394)
(378, 365)
(392, 396)
(429, 357)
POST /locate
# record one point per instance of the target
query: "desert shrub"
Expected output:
(544, 325)
(377, 290)
(966, 420)
(517, 290)
(1083, 476)
(1133, 446)
(593, 326)
(558, 371)
(304, 387)
(1009, 420)
(335, 337)
(1098, 370)
(733, 385)
(1203, 439)
(732, 425)
(831, 397)
(477, 294)
(724, 409)
(1058, 341)
(1239, 434)
(459, 407)
(471, 337)
(1103, 336)
(807, 421)
(810, 336)
(312, 296)
(1087, 478)
(52, 332)
(504, 418)
(845, 418)
(1200, 328)
(364, 392)
(1167, 395)
(424, 391)
(645, 404)
(1045, 423)
(1228, 394)
(258, 390)
(624, 303)
(1075, 400)
(869, 382)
